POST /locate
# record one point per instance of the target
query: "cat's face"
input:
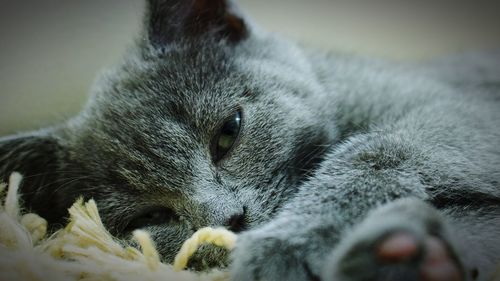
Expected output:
(210, 124)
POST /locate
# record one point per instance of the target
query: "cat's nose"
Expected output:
(236, 222)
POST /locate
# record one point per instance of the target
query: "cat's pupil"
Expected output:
(227, 136)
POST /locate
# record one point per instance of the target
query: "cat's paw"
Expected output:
(405, 240)
(280, 251)
(434, 261)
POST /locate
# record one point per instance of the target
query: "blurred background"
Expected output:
(51, 50)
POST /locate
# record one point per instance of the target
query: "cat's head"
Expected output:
(207, 122)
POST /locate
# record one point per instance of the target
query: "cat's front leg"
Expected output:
(403, 240)
(350, 182)
(355, 178)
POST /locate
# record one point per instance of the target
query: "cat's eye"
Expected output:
(152, 217)
(228, 134)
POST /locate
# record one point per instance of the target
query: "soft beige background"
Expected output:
(51, 50)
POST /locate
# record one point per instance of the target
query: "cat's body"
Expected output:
(328, 146)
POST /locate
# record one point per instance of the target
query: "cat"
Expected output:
(328, 166)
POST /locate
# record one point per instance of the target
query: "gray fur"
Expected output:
(327, 140)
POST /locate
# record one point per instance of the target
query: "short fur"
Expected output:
(335, 151)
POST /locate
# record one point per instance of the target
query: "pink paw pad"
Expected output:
(437, 264)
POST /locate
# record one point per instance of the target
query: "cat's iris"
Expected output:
(227, 136)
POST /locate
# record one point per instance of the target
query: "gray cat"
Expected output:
(330, 167)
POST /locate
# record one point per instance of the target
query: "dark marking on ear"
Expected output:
(236, 29)
(168, 21)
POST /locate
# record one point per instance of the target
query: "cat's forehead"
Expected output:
(201, 83)
(196, 85)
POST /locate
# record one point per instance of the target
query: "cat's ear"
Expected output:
(167, 21)
(36, 157)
